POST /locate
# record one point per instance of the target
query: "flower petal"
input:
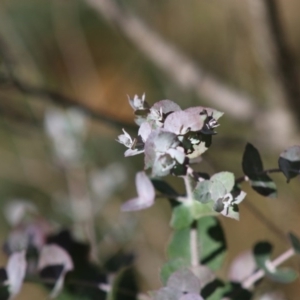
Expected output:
(136, 204)
(144, 187)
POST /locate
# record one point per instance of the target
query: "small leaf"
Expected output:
(210, 111)
(145, 191)
(289, 162)
(214, 189)
(181, 122)
(252, 163)
(226, 178)
(212, 243)
(124, 281)
(166, 106)
(253, 168)
(166, 189)
(167, 293)
(283, 275)
(295, 242)
(181, 216)
(184, 281)
(15, 270)
(236, 292)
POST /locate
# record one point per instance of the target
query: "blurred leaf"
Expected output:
(220, 181)
(262, 252)
(16, 270)
(253, 168)
(166, 294)
(289, 162)
(84, 270)
(182, 216)
(283, 275)
(166, 189)
(242, 266)
(185, 281)
(213, 290)
(145, 194)
(172, 266)
(215, 188)
(212, 243)
(219, 290)
(54, 262)
(191, 297)
(4, 293)
(124, 286)
(295, 242)
(179, 246)
(236, 292)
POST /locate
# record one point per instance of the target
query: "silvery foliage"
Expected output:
(168, 136)
(66, 130)
(182, 285)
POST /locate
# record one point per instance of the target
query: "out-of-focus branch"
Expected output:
(273, 53)
(180, 68)
(284, 56)
(46, 94)
(66, 101)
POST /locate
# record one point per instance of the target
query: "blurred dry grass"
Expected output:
(103, 68)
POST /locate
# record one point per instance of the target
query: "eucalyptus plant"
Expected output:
(172, 140)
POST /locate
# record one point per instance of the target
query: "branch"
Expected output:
(268, 171)
(46, 94)
(275, 57)
(65, 101)
(248, 283)
(285, 58)
(179, 67)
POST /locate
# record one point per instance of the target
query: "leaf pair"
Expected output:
(218, 191)
(253, 168)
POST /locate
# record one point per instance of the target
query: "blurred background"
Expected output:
(66, 68)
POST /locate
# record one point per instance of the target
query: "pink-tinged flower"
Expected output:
(138, 103)
(145, 191)
(135, 146)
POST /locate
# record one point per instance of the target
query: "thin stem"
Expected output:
(268, 171)
(188, 187)
(194, 248)
(82, 206)
(193, 230)
(249, 282)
